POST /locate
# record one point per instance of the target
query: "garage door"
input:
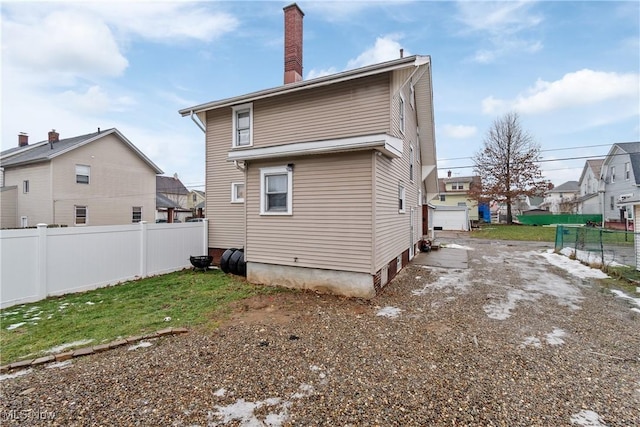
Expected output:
(449, 219)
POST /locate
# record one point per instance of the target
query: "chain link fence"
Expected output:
(597, 246)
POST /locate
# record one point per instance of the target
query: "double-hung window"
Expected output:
(80, 215)
(411, 162)
(136, 214)
(401, 199)
(402, 114)
(613, 174)
(627, 171)
(276, 187)
(83, 173)
(243, 125)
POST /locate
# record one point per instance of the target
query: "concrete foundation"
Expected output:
(345, 283)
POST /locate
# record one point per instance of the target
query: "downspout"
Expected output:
(197, 122)
(239, 166)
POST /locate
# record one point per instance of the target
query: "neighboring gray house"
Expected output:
(588, 201)
(99, 178)
(620, 177)
(562, 199)
(322, 181)
(172, 199)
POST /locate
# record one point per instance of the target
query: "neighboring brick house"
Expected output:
(322, 181)
(100, 178)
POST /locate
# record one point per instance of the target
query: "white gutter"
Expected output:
(197, 122)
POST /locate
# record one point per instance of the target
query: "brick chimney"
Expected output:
(23, 139)
(53, 136)
(292, 44)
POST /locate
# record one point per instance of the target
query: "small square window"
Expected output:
(25, 186)
(276, 188)
(136, 214)
(82, 174)
(80, 215)
(237, 192)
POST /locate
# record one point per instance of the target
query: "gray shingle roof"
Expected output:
(567, 187)
(633, 149)
(170, 185)
(43, 151)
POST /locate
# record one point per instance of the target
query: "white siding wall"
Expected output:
(37, 204)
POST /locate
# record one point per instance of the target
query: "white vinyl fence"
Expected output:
(41, 262)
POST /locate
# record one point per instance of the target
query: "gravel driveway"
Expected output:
(512, 341)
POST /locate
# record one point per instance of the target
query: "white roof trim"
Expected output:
(386, 144)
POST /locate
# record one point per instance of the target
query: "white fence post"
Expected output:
(205, 240)
(42, 261)
(143, 248)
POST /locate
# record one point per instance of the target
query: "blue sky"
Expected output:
(570, 69)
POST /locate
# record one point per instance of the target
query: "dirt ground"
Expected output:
(515, 339)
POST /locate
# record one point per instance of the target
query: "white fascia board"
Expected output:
(386, 144)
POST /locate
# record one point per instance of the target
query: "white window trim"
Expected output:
(75, 215)
(235, 110)
(627, 171)
(402, 118)
(25, 186)
(402, 195)
(235, 199)
(613, 174)
(412, 161)
(264, 172)
(88, 174)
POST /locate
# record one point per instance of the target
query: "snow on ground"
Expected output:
(389, 311)
(501, 309)
(555, 337)
(242, 412)
(141, 344)
(455, 246)
(587, 419)
(590, 258)
(60, 365)
(634, 301)
(15, 374)
(447, 280)
(61, 347)
(574, 267)
(15, 325)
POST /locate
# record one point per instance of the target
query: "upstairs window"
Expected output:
(276, 187)
(243, 125)
(81, 215)
(136, 214)
(613, 174)
(401, 199)
(411, 162)
(402, 114)
(627, 171)
(82, 174)
(25, 186)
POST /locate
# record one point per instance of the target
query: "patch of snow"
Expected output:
(531, 342)
(501, 310)
(15, 325)
(555, 337)
(314, 368)
(11, 313)
(574, 267)
(455, 246)
(141, 344)
(62, 347)
(590, 258)
(457, 280)
(60, 365)
(418, 277)
(220, 392)
(305, 390)
(587, 419)
(389, 311)
(620, 294)
(90, 303)
(15, 374)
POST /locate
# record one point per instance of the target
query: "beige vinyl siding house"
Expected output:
(94, 179)
(335, 170)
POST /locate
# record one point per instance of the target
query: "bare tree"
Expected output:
(507, 164)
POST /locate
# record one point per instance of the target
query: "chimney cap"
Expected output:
(293, 5)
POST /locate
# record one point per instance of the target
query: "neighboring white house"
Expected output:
(588, 201)
(562, 199)
(620, 177)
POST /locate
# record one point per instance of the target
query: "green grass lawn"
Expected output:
(515, 232)
(181, 299)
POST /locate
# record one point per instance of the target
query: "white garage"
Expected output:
(451, 218)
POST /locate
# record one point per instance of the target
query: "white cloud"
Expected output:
(62, 42)
(459, 131)
(497, 17)
(385, 49)
(336, 11)
(94, 101)
(320, 73)
(578, 89)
